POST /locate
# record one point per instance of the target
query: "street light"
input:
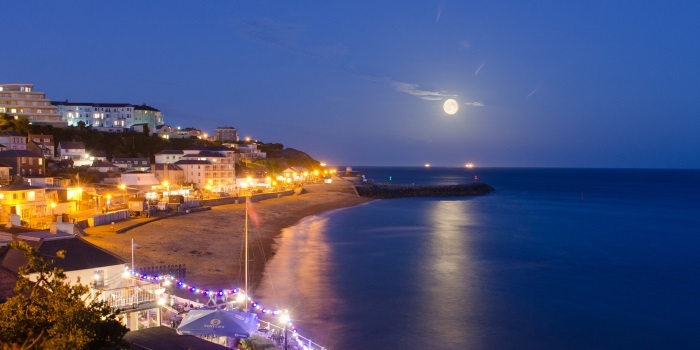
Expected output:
(53, 206)
(123, 188)
(80, 197)
(167, 184)
(285, 319)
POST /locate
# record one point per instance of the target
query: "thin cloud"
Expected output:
(439, 13)
(410, 88)
(481, 66)
(533, 92)
(287, 36)
(414, 90)
(464, 44)
(474, 104)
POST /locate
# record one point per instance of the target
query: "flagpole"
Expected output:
(246, 255)
(132, 254)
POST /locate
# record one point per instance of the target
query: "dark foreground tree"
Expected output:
(48, 312)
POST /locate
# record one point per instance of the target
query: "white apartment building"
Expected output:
(20, 100)
(211, 168)
(109, 117)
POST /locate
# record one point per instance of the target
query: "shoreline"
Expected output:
(210, 243)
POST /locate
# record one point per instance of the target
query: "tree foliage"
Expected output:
(9, 123)
(48, 312)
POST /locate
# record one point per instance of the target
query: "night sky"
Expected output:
(539, 83)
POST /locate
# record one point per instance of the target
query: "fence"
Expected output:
(103, 219)
(176, 271)
(277, 336)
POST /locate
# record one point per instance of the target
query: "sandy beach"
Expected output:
(210, 243)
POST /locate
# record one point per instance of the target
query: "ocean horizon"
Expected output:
(555, 258)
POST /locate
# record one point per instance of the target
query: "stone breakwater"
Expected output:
(386, 191)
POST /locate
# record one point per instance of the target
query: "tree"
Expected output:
(48, 312)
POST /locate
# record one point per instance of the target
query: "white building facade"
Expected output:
(20, 100)
(108, 116)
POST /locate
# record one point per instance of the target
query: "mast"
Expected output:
(246, 255)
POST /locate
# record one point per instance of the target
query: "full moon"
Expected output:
(451, 106)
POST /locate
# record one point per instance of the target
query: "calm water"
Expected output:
(556, 259)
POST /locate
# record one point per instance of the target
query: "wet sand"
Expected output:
(210, 243)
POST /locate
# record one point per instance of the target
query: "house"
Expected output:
(13, 140)
(169, 156)
(5, 177)
(250, 151)
(128, 164)
(95, 154)
(293, 174)
(44, 143)
(101, 270)
(104, 167)
(143, 127)
(27, 201)
(23, 162)
(47, 181)
(172, 173)
(142, 180)
(71, 150)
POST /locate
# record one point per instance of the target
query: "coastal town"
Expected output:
(145, 231)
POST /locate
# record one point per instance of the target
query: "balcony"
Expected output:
(143, 296)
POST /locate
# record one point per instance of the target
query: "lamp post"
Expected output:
(285, 319)
(53, 206)
(167, 185)
(123, 188)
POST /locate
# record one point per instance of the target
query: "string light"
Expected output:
(224, 292)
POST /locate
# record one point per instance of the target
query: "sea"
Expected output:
(553, 259)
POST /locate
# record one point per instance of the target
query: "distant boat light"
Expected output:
(427, 165)
(470, 165)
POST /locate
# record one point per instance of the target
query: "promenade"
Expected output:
(210, 242)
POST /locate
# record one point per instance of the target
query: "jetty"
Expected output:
(387, 191)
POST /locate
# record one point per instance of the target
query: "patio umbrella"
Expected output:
(218, 322)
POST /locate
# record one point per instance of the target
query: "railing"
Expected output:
(177, 271)
(121, 298)
(291, 337)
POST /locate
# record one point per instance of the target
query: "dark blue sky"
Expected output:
(539, 83)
